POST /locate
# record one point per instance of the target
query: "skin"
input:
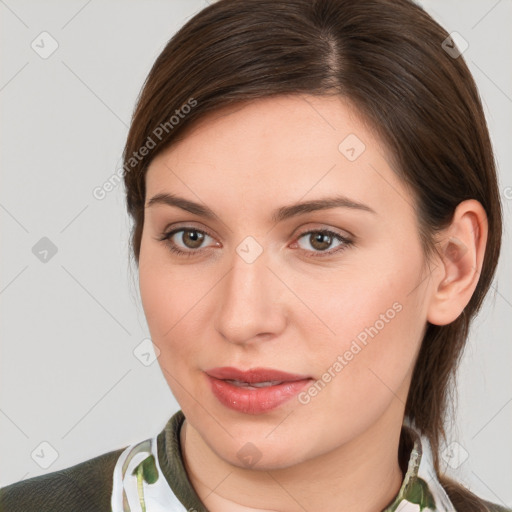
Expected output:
(292, 312)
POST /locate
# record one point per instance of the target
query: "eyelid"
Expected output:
(186, 225)
(344, 233)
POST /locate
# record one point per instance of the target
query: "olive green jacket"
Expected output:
(150, 476)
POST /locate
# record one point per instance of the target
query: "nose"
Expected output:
(251, 306)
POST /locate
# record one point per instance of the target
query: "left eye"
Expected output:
(321, 240)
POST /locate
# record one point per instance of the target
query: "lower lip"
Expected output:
(257, 400)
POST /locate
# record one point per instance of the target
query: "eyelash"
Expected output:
(313, 254)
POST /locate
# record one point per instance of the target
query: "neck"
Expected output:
(363, 475)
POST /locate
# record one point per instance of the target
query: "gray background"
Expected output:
(70, 324)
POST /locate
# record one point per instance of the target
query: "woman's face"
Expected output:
(261, 287)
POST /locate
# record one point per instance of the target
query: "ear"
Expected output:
(462, 248)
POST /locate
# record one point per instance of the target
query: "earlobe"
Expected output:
(460, 262)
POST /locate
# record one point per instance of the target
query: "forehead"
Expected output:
(274, 121)
(282, 147)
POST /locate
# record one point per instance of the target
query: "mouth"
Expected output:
(254, 385)
(254, 375)
(254, 391)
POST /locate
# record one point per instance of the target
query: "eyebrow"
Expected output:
(279, 215)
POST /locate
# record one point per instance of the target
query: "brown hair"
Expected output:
(386, 57)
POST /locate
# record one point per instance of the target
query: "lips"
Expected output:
(254, 391)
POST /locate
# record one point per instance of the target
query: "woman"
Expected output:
(316, 222)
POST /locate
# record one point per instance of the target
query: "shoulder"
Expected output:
(82, 487)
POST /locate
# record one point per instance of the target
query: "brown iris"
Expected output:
(195, 239)
(320, 241)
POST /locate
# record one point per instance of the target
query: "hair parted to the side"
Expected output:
(386, 58)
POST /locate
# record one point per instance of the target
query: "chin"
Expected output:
(259, 456)
(269, 463)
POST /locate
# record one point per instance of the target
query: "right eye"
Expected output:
(191, 238)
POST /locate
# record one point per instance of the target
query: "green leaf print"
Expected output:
(148, 470)
(419, 494)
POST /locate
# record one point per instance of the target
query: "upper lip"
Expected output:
(254, 375)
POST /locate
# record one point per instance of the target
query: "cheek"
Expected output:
(165, 305)
(375, 318)
(173, 301)
(167, 291)
(364, 368)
